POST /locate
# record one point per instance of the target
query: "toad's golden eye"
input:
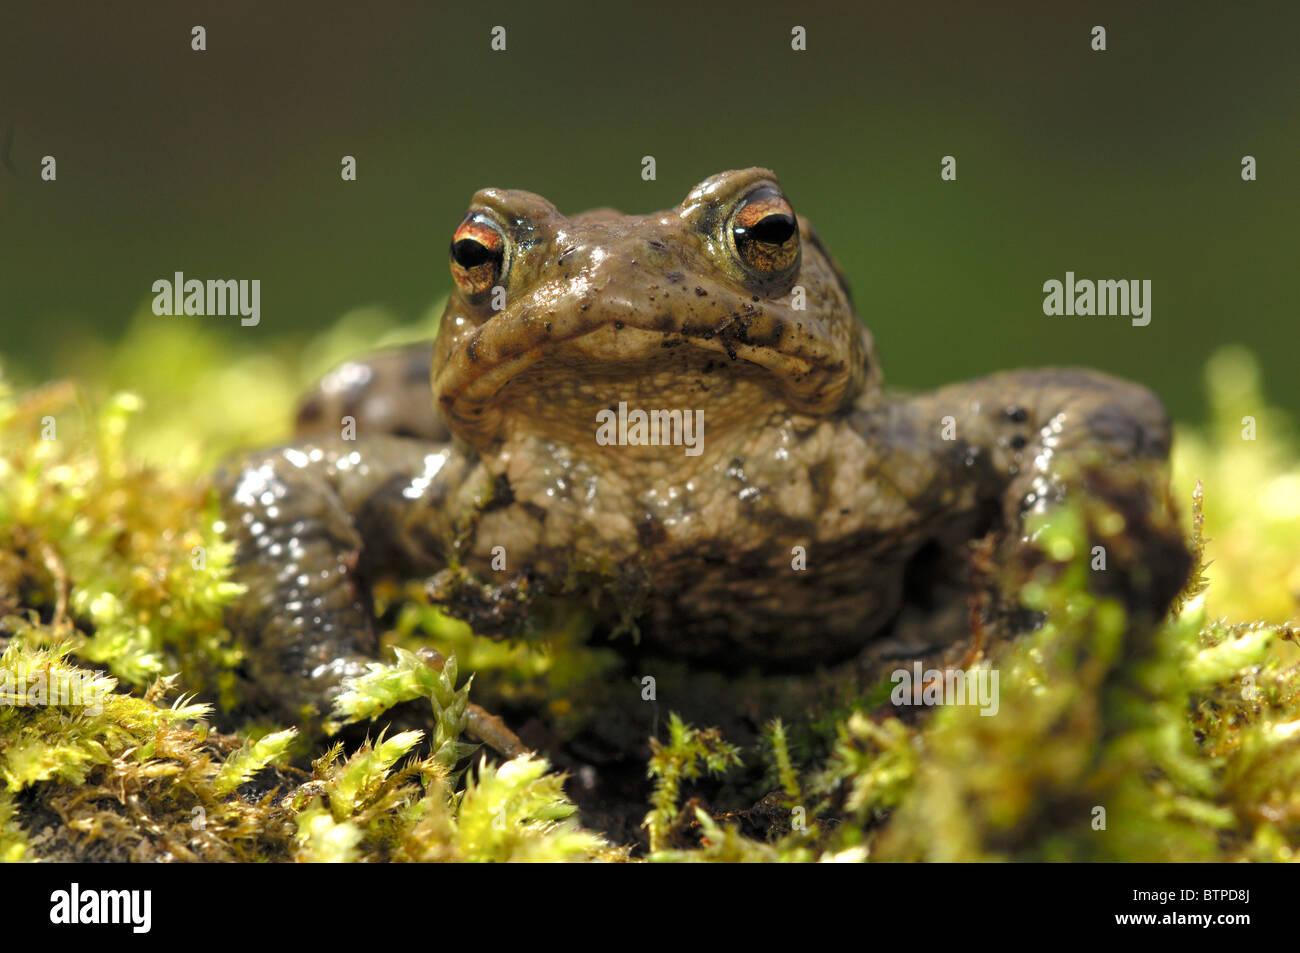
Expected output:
(766, 233)
(478, 254)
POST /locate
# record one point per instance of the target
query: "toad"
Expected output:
(818, 516)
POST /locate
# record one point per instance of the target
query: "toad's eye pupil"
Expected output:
(774, 229)
(470, 253)
(478, 255)
(765, 234)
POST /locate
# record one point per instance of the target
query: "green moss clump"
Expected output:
(687, 751)
(122, 561)
(113, 573)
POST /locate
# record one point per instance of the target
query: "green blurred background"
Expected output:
(1122, 164)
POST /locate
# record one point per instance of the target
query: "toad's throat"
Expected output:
(472, 380)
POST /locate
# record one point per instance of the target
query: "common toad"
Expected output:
(805, 515)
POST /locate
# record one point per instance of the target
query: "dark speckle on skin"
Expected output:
(650, 531)
(675, 276)
(502, 494)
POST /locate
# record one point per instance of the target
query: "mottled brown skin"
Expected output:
(802, 448)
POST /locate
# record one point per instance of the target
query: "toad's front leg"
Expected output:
(313, 525)
(1032, 438)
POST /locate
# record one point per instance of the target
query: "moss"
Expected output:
(681, 758)
(1246, 460)
(1116, 738)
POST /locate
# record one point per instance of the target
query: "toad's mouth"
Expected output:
(471, 375)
